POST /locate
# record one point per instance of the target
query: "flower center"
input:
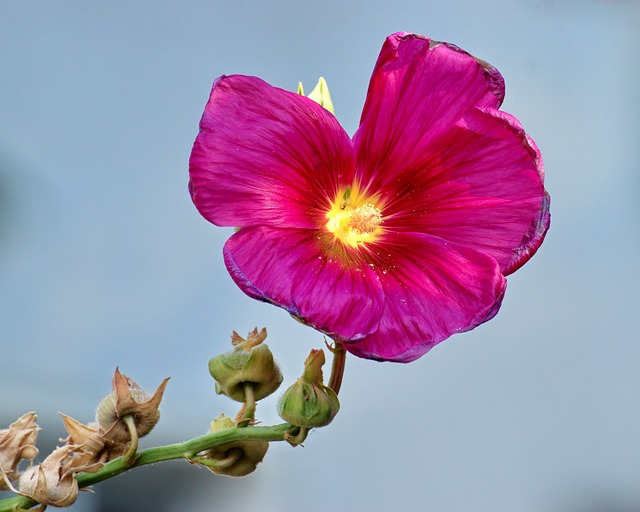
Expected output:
(353, 223)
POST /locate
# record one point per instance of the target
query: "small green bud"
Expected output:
(222, 422)
(320, 95)
(234, 459)
(309, 403)
(250, 362)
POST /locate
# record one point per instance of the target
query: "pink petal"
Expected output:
(534, 236)
(433, 289)
(291, 269)
(482, 187)
(419, 88)
(265, 156)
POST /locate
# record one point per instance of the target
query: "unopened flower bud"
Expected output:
(250, 362)
(51, 483)
(309, 403)
(128, 399)
(17, 442)
(320, 95)
(234, 459)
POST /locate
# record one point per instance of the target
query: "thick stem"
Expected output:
(187, 450)
(337, 366)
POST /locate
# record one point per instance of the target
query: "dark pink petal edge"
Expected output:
(537, 230)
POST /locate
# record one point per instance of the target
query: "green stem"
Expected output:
(186, 450)
(337, 366)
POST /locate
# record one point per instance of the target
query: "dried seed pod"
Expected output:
(17, 443)
(51, 483)
(128, 399)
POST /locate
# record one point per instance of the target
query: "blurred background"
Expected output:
(104, 261)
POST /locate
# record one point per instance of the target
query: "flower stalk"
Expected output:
(337, 365)
(249, 406)
(129, 456)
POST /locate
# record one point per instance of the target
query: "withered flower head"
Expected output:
(128, 399)
(254, 338)
(52, 482)
(85, 436)
(17, 442)
(91, 450)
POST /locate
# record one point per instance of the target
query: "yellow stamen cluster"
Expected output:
(354, 221)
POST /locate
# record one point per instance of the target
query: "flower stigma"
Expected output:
(354, 219)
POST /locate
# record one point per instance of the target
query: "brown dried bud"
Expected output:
(83, 436)
(17, 442)
(128, 399)
(51, 483)
(250, 362)
(91, 450)
(234, 459)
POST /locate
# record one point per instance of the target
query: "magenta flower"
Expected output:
(391, 241)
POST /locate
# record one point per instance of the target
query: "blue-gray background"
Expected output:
(104, 261)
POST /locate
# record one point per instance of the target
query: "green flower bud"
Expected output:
(250, 362)
(234, 459)
(309, 403)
